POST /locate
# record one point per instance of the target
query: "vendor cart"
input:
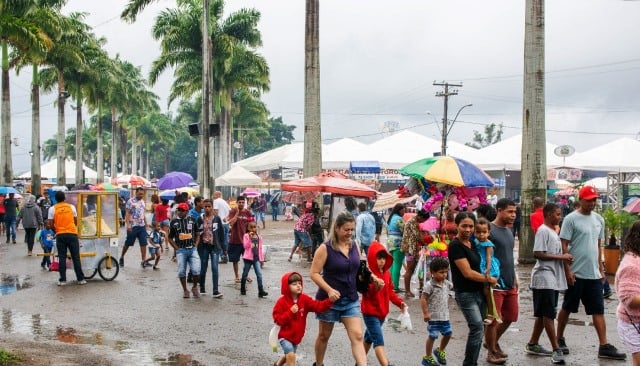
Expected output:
(98, 231)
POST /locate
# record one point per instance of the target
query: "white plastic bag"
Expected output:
(405, 320)
(273, 337)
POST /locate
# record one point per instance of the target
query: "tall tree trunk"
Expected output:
(312, 163)
(100, 147)
(147, 158)
(61, 179)
(114, 141)
(134, 152)
(534, 159)
(204, 156)
(79, 147)
(5, 156)
(123, 148)
(36, 174)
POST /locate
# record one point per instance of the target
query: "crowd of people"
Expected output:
(479, 270)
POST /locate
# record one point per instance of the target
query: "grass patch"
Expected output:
(8, 358)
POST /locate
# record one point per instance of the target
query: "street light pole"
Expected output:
(456, 118)
(446, 93)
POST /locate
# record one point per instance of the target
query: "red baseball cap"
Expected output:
(183, 206)
(588, 193)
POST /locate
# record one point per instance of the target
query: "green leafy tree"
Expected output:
(278, 134)
(492, 134)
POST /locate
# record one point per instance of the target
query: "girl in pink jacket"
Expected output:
(252, 257)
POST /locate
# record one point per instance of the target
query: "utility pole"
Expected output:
(446, 93)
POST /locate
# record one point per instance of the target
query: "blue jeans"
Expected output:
(206, 251)
(225, 244)
(245, 272)
(473, 306)
(274, 213)
(64, 242)
(10, 227)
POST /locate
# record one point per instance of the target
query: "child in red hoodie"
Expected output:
(375, 303)
(290, 313)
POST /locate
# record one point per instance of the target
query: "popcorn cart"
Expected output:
(98, 231)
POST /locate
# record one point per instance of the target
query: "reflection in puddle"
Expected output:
(41, 329)
(12, 283)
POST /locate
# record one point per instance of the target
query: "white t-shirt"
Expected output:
(223, 208)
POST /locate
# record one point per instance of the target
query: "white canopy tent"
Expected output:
(506, 155)
(238, 177)
(620, 155)
(50, 170)
(404, 147)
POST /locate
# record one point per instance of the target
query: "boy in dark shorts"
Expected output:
(435, 311)
(547, 280)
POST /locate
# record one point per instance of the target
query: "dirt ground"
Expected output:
(140, 318)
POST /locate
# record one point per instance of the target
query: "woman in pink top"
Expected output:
(628, 290)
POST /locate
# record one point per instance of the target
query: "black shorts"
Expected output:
(587, 291)
(2, 218)
(235, 252)
(545, 302)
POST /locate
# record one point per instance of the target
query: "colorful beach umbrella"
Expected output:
(633, 206)
(448, 170)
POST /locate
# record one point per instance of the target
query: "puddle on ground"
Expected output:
(41, 329)
(11, 283)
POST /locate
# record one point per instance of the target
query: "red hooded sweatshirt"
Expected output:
(293, 326)
(376, 303)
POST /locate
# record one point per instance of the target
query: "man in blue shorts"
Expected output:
(581, 234)
(136, 224)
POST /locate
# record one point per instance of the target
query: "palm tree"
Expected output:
(312, 163)
(66, 54)
(20, 31)
(534, 167)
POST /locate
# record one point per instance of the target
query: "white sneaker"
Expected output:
(83, 282)
(62, 283)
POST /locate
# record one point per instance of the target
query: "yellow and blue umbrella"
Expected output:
(448, 170)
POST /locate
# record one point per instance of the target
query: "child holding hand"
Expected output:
(290, 313)
(375, 301)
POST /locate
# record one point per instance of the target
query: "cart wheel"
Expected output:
(108, 268)
(88, 274)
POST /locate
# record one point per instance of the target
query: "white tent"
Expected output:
(238, 177)
(406, 146)
(620, 155)
(50, 170)
(506, 155)
(599, 183)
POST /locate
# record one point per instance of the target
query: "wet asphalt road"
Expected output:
(140, 318)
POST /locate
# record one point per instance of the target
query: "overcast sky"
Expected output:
(379, 59)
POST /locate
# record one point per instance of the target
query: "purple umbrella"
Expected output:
(173, 180)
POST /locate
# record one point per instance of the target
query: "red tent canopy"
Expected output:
(330, 182)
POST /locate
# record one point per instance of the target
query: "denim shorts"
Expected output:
(153, 250)
(343, 308)
(287, 347)
(188, 255)
(301, 237)
(137, 232)
(437, 327)
(373, 333)
(587, 291)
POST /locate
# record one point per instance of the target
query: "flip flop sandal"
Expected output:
(186, 295)
(237, 280)
(249, 279)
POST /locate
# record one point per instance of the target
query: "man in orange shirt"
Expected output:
(64, 219)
